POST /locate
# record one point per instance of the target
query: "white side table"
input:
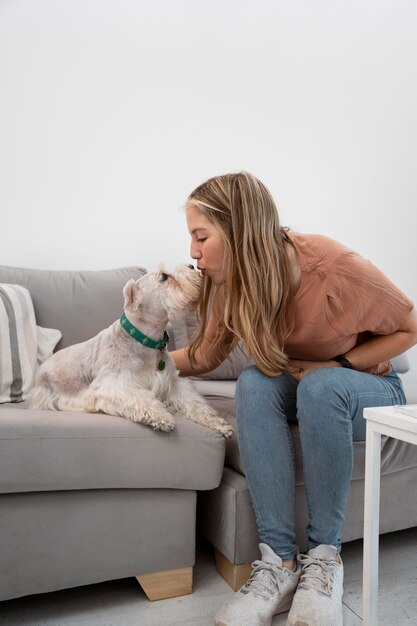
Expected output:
(393, 422)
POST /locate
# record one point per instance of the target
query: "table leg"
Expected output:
(371, 526)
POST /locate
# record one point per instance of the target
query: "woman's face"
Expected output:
(207, 245)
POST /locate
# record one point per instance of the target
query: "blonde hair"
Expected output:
(257, 287)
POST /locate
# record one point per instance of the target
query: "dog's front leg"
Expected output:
(187, 402)
(138, 405)
(147, 409)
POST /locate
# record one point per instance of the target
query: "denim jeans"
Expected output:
(328, 405)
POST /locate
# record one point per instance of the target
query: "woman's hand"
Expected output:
(304, 367)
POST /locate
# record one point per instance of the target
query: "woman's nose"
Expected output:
(194, 253)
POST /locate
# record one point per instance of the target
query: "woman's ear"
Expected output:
(132, 295)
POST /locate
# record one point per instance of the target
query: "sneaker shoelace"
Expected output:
(264, 580)
(316, 574)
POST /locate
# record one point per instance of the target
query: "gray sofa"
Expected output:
(87, 498)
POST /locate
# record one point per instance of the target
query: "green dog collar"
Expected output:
(141, 338)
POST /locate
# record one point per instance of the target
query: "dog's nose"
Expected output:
(191, 266)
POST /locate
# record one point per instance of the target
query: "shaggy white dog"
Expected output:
(126, 370)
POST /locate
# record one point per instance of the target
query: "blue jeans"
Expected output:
(328, 405)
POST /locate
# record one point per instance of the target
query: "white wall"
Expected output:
(111, 111)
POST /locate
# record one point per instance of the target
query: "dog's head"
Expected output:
(159, 295)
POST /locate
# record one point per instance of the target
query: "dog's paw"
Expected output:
(158, 420)
(219, 425)
(223, 429)
(163, 422)
(166, 426)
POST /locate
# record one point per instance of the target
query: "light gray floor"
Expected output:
(123, 603)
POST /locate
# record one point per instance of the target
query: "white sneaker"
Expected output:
(269, 591)
(318, 601)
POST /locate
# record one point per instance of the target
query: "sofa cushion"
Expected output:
(51, 450)
(401, 363)
(18, 343)
(79, 304)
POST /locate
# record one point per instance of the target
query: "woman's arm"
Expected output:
(183, 364)
(207, 359)
(375, 350)
(384, 347)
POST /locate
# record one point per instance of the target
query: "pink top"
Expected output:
(342, 300)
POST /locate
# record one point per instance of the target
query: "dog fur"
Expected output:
(113, 373)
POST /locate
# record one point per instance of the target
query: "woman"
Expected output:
(321, 325)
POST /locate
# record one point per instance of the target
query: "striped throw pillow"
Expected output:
(18, 343)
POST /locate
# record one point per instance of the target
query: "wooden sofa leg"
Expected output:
(169, 584)
(234, 575)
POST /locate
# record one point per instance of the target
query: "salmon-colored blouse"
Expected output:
(342, 300)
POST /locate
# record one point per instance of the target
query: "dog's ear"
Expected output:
(131, 293)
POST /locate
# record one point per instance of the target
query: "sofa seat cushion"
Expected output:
(59, 450)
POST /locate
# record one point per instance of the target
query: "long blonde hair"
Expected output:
(257, 287)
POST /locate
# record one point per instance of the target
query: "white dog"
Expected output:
(126, 370)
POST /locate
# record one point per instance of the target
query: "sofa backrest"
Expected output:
(79, 304)
(401, 363)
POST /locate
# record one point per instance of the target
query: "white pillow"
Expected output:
(47, 340)
(18, 343)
